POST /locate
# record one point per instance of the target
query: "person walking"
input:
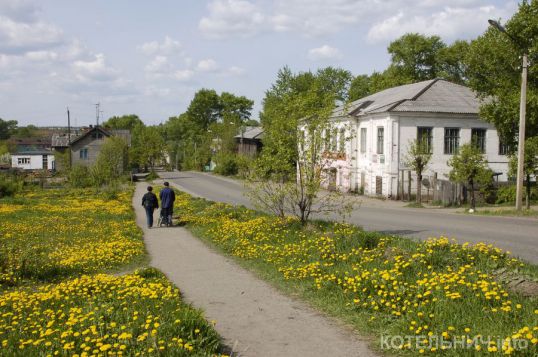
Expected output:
(167, 197)
(150, 203)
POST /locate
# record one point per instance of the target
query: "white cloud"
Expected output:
(324, 52)
(169, 46)
(19, 37)
(235, 71)
(184, 75)
(158, 65)
(231, 18)
(19, 10)
(94, 70)
(449, 23)
(207, 65)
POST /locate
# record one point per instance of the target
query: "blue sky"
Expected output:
(150, 57)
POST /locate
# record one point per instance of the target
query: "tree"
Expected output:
(147, 146)
(292, 167)
(360, 87)
(127, 122)
(415, 56)
(205, 108)
(7, 128)
(494, 71)
(418, 157)
(530, 164)
(471, 168)
(451, 62)
(111, 161)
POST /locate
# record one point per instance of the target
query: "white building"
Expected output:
(33, 160)
(381, 127)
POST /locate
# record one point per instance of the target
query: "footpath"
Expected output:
(253, 318)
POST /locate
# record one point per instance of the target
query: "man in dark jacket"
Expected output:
(150, 203)
(168, 197)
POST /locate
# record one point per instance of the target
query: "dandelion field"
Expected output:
(437, 297)
(59, 296)
(50, 234)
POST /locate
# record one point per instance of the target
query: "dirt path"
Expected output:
(252, 317)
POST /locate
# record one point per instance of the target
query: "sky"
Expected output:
(150, 57)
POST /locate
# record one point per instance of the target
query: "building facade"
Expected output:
(86, 147)
(370, 138)
(33, 160)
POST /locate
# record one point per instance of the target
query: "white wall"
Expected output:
(438, 163)
(36, 162)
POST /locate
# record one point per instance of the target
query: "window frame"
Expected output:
(380, 140)
(364, 138)
(342, 140)
(479, 142)
(451, 147)
(421, 130)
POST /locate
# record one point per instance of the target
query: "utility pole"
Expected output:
(521, 137)
(522, 113)
(97, 112)
(69, 136)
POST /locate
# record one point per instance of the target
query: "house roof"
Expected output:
(89, 132)
(61, 140)
(33, 152)
(251, 132)
(432, 96)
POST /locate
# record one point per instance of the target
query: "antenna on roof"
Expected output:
(97, 112)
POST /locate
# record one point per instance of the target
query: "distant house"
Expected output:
(33, 160)
(249, 141)
(86, 147)
(369, 138)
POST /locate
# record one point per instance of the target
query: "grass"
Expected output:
(505, 212)
(60, 294)
(381, 285)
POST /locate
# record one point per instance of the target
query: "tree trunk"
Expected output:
(528, 191)
(419, 187)
(473, 203)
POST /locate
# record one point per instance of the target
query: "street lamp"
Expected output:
(522, 109)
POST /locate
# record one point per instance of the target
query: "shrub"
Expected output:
(79, 176)
(507, 194)
(226, 165)
(9, 186)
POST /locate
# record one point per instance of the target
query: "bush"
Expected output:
(226, 165)
(9, 186)
(79, 176)
(507, 194)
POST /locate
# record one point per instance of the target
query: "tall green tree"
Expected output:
(415, 56)
(494, 71)
(7, 127)
(205, 108)
(360, 87)
(128, 122)
(470, 167)
(147, 146)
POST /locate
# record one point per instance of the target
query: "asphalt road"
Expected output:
(517, 235)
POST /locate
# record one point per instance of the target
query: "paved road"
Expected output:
(518, 235)
(253, 318)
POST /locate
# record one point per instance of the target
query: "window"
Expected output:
(327, 143)
(425, 138)
(84, 154)
(452, 140)
(504, 149)
(478, 139)
(23, 161)
(363, 139)
(380, 139)
(334, 140)
(342, 141)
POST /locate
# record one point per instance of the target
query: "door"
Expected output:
(45, 162)
(379, 185)
(332, 179)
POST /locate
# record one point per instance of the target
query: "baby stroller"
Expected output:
(161, 218)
